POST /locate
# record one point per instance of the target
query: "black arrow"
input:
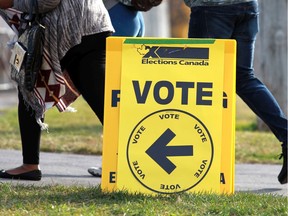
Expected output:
(159, 151)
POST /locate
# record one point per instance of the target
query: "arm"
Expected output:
(44, 5)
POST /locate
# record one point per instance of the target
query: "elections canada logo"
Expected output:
(170, 151)
(163, 55)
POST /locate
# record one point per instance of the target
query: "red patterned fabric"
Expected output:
(51, 89)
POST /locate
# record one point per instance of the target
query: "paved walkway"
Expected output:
(71, 169)
(8, 98)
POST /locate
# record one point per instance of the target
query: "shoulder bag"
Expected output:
(27, 53)
(141, 5)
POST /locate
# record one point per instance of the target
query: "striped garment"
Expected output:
(195, 3)
(66, 21)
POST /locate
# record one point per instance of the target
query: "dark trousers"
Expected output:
(85, 64)
(240, 22)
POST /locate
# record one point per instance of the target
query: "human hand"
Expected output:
(4, 4)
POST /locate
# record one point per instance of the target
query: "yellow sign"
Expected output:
(167, 133)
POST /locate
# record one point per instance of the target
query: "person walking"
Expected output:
(128, 21)
(238, 19)
(75, 48)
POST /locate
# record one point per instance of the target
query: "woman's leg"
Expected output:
(30, 136)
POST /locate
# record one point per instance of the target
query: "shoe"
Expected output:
(34, 175)
(282, 177)
(95, 171)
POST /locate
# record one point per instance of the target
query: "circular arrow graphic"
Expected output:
(170, 151)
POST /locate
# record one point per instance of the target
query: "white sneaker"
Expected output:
(95, 171)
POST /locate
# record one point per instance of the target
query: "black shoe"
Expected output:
(34, 175)
(282, 177)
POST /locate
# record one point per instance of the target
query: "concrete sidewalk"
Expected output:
(71, 169)
(8, 98)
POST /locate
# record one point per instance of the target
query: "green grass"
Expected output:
(60, 200)
(245, 119)
(79, 132)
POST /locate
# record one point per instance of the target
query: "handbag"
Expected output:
(145, 5)
(141, 5)
(27, 53)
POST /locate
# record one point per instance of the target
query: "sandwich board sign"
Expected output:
(169, 123)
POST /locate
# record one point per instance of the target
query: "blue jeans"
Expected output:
(126, 21)
(240, 22)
